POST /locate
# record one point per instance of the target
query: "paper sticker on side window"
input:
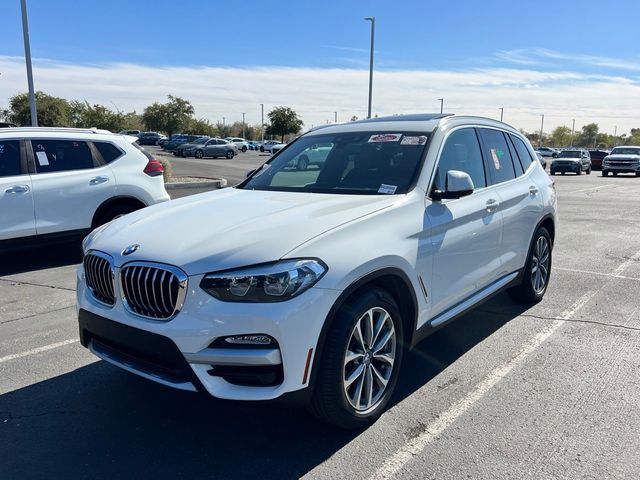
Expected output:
(385, 137)
(495, 155)
(388, 189)
(42, 158)
(421, 140)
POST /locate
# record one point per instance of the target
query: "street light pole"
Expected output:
(262, 124)
(541, 131)
(441, 104)
(243, 124)
(335, 117)
(27, 56)
(501, 113)
(373, 32)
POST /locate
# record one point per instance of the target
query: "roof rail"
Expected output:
(55, 129)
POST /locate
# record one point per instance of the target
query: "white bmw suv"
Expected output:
(59, 183)
(311, 283)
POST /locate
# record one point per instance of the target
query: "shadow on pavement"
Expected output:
(100, 422)
(40, 258)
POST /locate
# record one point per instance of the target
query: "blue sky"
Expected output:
(557, 51)
(410, 34)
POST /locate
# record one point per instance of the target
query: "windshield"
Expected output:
(350, 162)
(199, 141)
(625, 151)
(571, 154)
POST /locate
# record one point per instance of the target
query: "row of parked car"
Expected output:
(578, 161)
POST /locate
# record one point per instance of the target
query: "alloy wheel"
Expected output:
(369, 359)
(540, 263)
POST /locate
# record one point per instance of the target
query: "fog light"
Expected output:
(249, 340)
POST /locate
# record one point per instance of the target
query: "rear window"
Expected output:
(9, 158)
(108, 151)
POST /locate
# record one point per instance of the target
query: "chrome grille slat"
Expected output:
(152, 290)
(97, 271)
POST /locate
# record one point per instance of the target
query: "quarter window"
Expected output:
(461, 152)
(108, 151)
(10, 158)
(523, 152)
(61, 155)
(497, 155)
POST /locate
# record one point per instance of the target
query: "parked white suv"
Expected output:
(59, 182)
(241, 143)
(311, 282)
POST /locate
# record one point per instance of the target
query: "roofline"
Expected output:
(56, 129)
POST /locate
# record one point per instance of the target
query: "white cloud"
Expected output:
(315, 93)
(544, 56)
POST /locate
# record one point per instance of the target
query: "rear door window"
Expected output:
(54, 155)
(10, 158)
(497, 155)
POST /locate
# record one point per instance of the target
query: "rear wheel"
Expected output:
(230, 154)
(112, 212)
(360, 362)
(244, 149)
(615, 174)
(537, 270)
(198, 154)
(605, 173)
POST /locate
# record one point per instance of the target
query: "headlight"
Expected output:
(273, 282)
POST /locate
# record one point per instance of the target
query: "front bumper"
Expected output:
(179, 352)
(620, 167)
(565, 167)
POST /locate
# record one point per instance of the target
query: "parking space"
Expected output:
(504, 392)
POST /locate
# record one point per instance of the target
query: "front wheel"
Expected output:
(360, 362)
(303, 163)
(198, 154)
(230, 154)
(244, 149)
(537, 269)
(605, 173)
(261, 149)
(589, 171)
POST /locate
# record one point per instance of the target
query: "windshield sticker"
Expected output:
(388, 189)
(42, 158)
(385, 137)
(496, 155)
(414, 140)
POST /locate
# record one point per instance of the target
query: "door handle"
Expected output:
(492, 205)
(98, 180)
(18, 189)
(533, 190)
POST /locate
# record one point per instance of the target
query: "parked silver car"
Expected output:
(216, 147)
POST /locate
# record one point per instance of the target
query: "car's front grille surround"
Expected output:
(99, 275)
(152, 290)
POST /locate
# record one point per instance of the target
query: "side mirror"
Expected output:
(457, 184)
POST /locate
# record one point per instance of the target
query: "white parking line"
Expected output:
(402, 456)
(600, 274)
(38, 350)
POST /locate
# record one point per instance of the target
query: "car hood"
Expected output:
(230, 228)
(623, 156)
(567, 159)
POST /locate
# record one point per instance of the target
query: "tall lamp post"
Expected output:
(573, 127)
(373, 32)
(441, 104)
(541, 130)
(262, 124)
(243, 124)
(501, 113)
(27, 56)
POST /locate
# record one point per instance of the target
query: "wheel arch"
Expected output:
(391, 279)
(119, 200)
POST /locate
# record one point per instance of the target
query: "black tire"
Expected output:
(589, 171)
(552, 172)
(112, 212)
(175, 153)
(615, 174)
(230, 154)
(261, 149)
(199, 154)
(525, 292)
(182, 154)
(563, 173)
(329, 402)
(244, 149)
(303, 162)
(605, 173)
(637, 174)
(579, 172)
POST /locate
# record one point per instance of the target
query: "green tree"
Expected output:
(169, 117)
(223, 130)
(52, 111)
(560, 137)
(589, 136)
(200, 127)
(84, 115)
(283, 121)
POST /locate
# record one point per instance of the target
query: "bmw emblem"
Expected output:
(130, 249)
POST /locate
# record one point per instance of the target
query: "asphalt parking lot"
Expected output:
(505, 392)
